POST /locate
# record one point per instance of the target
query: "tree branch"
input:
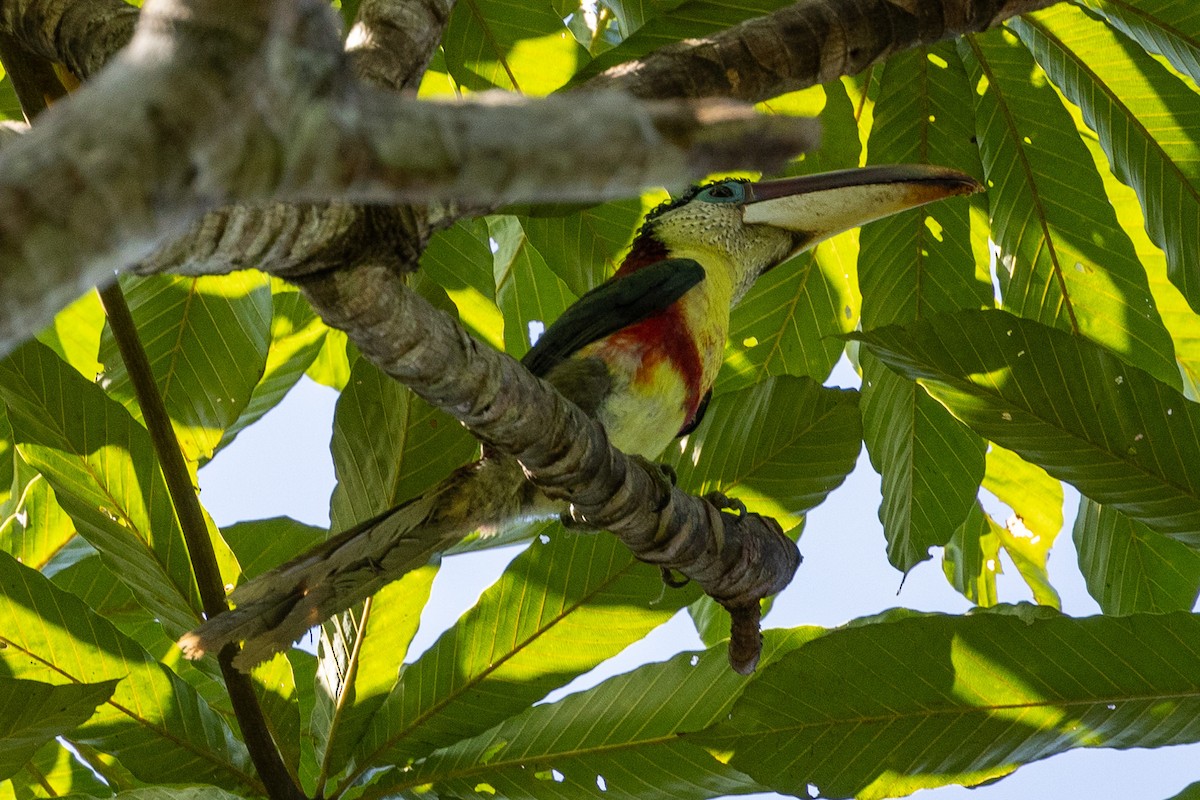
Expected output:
(268, 762)
(810, 42)
(82, 34)
(737, 560)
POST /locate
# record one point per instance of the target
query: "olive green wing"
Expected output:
(611, 306)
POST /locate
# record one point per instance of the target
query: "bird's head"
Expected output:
(752, 227)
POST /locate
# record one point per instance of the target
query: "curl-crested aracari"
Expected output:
(640, 352)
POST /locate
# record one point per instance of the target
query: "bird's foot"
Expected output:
(724, 503)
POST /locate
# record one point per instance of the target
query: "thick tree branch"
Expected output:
(82, 34)
(737, 559)
(191, 117)
(810, 42)
(392, 41)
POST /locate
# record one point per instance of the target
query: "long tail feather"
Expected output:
(278, 607)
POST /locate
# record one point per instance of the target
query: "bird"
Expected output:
(640, 353)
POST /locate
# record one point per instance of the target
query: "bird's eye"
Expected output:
(724, 193)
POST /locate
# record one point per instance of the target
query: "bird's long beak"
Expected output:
(816, 207)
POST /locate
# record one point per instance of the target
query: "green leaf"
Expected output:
(581, 246)
(263, 544)
(780, 446)
(53, 771)
(1037, 503)
(972, 558)
(894, 707)
(482, 40)
(207, 341)
(1063, 259)
(1146, 119)
(559, 609)
(622, 739)
(104, 474)
(460, 259)
(527, 291)
(33, 713)
(75, 334)
(154, 723)
(388, 446)
(1191, 792)
(38, 528)
(297, 336)
(378, 642)
(1131, 569)
(331, 367)
(791, 320)
(275, 688)
(172, 793)
(1169, 27)
(1063, 403)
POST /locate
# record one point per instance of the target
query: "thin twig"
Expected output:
(280, 785)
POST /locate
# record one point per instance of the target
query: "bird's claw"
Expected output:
(668, 577)
(725, 503)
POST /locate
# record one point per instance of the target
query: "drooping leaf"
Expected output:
(33, 713)
(1063, 403)
(897, 706)
(1147, 120)
(1063, 259)
(207, 341)
(621, 739)
(972, 558)
(780, 446)
(1129, 568)
(1037, 503)
(558, 610)
(156, 724)
(104, 474)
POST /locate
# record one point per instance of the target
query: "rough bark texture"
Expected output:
(81, 34)
(810, 42)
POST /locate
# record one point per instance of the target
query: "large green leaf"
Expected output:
(1147, 120)
(104, 473)
(1131, 569)
(1169, 27)
(207, 340)
(790, 320)
(559, 609)
(781, 446)
(890, 708)
(621, 739)
(1063, 403)
(33, 713)
(912, 265)
(1063, 259)
(154, 723)
(358, 675)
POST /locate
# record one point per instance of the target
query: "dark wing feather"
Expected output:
(614, 304)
